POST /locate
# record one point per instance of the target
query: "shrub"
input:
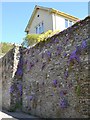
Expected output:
(32, 39)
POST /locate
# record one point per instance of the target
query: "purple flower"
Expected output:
(63, 92)
(30, 97)
(74, 56)
(84, 44)
(55, 83)
(19, 72)
(65, 54)
(48, 54)
(78, 49)
(19, 86)
(63, 103)
(48, 45)
(11, 89)
(56, 40)
(59, 48)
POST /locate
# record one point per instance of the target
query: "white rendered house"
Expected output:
(44, 19)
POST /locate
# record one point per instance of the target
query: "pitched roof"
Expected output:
(52, 10)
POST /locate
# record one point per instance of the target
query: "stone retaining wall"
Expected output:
(55, 77)
(52, 78)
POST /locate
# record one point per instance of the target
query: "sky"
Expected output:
(15, 16)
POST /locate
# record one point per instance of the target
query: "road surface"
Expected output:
(14, 116)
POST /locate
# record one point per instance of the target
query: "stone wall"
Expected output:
(55, 74)
(0, 84)
(7, 71)
(50, 79)
(10, 79)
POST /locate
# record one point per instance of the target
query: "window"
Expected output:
(70, 23)
(36, 30)
(40, 28)
(66, 23)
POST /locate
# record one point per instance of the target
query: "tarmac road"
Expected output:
(15, 116)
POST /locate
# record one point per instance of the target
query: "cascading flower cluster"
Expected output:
(19, 86)
(19, 71)
(75, 55)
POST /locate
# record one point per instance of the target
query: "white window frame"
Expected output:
(66, 22)
(40, 28)
(70, 23)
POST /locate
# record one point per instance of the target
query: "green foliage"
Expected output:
(44, 36)
(88, 43)
(78, 90)
(32, 39)
(17, 106)
(5, 47)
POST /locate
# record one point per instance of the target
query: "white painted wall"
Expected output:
(51, 21)
(44, 16)
(59, 22)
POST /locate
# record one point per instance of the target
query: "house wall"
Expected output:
(59, 22)
(44, 16)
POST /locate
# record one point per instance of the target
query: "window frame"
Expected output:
(66, 23)
(40, 28)
(71, 23)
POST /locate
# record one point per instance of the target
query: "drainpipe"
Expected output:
(55, 20)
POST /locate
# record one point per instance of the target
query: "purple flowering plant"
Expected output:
(84, 44)
(48, 54)
(19, 72)
(74, 57)
(59, 48)
(19, 86)
(56, 40)
(55, 83)
(64, 54)
(64, 103)
(30, 97)
(63, 92)
(11, 89)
